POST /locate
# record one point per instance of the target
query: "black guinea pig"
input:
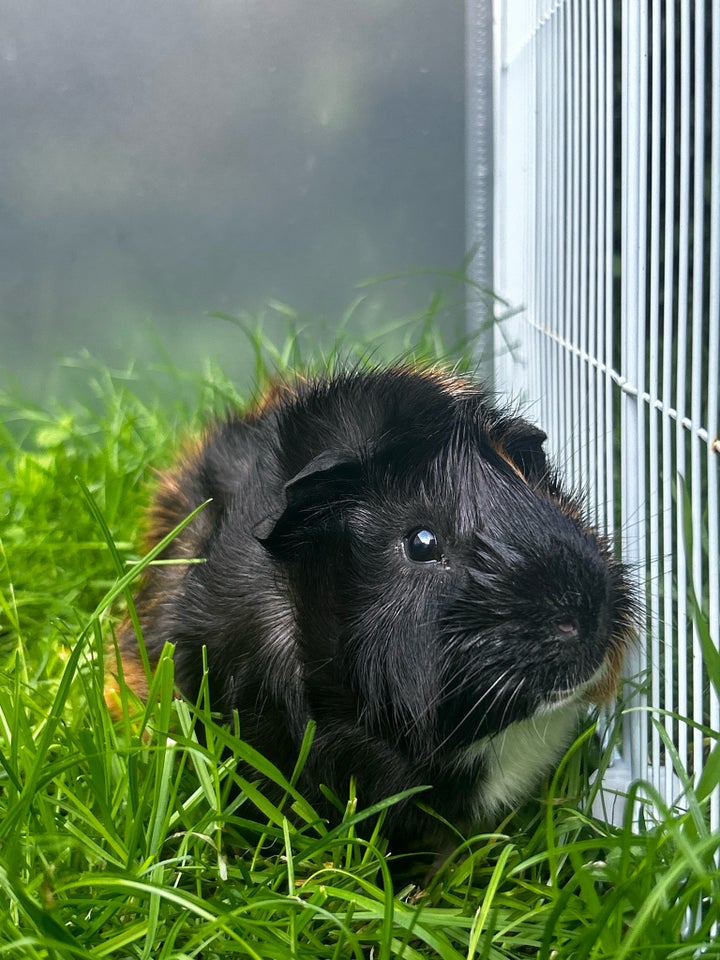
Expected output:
(387, 553)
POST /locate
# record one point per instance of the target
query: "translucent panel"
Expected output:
(161, 160)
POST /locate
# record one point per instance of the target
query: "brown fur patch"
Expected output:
(133, 676)
(453, 384)
(503, 454)
(606, 689)
(273, 396)
(170, 504)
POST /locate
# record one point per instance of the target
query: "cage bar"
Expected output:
(632, 326)
(668, 565)
(653, 378)
(697, 348)
(713, 384)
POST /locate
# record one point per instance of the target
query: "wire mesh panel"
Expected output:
(607, 236)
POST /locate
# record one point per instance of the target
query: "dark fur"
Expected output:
(309, 607)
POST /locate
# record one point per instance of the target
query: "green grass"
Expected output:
(130, 838)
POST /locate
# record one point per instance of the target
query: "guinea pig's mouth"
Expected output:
(565, 696)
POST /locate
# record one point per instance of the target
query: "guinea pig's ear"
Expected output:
(309, 495)
(523, 444)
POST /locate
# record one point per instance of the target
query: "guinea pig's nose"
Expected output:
(567, 629)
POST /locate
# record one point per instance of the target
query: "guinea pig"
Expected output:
(387, 553)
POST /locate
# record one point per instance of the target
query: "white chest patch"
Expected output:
(517, 758)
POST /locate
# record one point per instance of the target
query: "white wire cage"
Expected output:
(605, 227)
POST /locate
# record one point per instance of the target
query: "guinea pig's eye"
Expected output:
(422, 546)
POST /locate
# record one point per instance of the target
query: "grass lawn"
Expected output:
(127, 837)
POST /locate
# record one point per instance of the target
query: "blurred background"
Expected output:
(160, 161)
